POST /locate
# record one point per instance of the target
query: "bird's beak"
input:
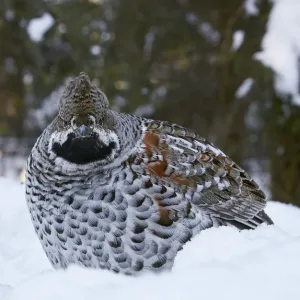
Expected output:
(84, 131)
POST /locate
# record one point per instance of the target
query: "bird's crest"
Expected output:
(82, 98)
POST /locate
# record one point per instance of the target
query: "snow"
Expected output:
(38, 26)
(244, 88)
(251, 7)
(281, 46)
(220, 263)
(9, 15)
(237, 39)
(95, 50)
(208, 32)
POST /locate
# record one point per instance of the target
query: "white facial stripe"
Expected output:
(58, 137)
(105, 136)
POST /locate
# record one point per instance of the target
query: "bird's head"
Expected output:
(84, 130)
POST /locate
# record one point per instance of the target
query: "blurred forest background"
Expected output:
(186, 61)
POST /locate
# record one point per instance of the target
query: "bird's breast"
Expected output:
(122, 221)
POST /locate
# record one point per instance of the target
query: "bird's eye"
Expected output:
(74, 123)
(89, 121)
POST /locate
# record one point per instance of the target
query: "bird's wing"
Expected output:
(210, 180)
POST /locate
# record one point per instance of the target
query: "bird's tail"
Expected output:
(260, 218)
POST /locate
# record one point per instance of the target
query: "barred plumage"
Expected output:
(115, 191)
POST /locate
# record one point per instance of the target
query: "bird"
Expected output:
(114, 191)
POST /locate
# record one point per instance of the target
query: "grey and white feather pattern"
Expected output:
(118, 192)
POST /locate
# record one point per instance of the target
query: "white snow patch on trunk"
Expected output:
(251, 7)
(237, 40)
(281, 46)
(244, 88)
(38, 26)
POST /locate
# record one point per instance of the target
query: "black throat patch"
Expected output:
(83, 150)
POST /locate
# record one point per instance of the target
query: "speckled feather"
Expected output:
(155, 187)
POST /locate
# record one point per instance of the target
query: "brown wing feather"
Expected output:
(214, 183)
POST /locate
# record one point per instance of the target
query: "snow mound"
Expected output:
(220, 263)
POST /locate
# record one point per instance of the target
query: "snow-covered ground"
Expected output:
(221, 263)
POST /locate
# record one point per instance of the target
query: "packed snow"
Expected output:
(221, 263)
